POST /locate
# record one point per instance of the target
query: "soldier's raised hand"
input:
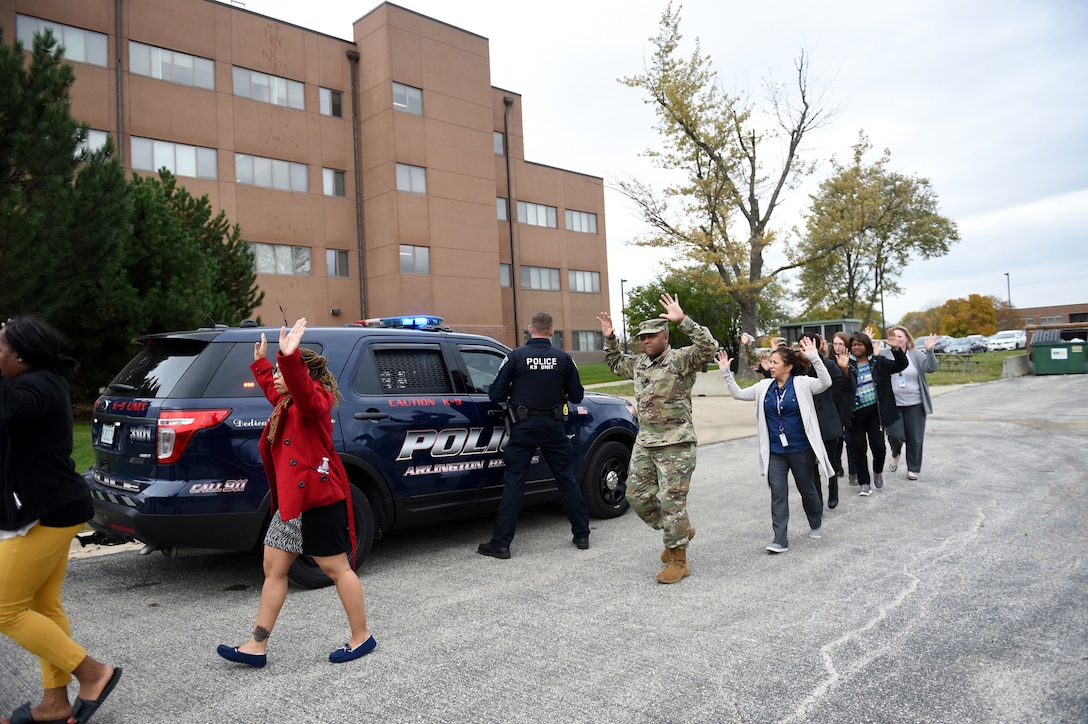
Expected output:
(673, 312)
(607, 330)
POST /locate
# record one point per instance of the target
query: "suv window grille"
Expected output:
(412, 370)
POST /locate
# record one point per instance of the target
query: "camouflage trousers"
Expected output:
(666, 470)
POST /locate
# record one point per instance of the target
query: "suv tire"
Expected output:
(306, 573)
(604, 484)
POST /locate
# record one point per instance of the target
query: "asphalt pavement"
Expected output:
(956, 598)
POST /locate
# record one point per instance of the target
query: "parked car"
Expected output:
(1009, 339)
(964, 345)
(980, 341)
(175, 438)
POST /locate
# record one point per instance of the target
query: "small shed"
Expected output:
(826, 328)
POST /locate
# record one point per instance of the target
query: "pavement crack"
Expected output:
(927, 558)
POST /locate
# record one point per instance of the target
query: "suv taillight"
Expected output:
(177, 427)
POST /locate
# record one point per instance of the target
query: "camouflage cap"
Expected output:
(653, 326)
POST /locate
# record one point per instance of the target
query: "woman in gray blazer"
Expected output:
(911, 398)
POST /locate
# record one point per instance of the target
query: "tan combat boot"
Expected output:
(677, 568)
(665, 553)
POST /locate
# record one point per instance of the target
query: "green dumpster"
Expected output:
(1052, 355)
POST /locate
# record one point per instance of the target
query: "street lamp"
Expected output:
(1008, 293)
(623, 312)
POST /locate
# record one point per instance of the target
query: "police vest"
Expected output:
(538, 376)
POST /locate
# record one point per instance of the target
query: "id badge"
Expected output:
(902, 381)
(782, 439)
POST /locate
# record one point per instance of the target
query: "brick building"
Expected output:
(374, 177)
(1059, 314)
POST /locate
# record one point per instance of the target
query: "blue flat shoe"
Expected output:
(231, 653)
(346, 653)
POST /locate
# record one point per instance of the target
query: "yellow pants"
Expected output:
(32, 569)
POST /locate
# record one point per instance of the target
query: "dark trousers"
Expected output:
(913, 428)
(867, 425)
(803, 467)
(833, 448)
(548, 434)
(848, 441)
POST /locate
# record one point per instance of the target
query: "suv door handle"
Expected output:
(371, 415)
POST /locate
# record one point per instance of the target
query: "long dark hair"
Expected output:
(39, 344)
(797, 361)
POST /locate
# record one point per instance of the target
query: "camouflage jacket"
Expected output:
(663, 385)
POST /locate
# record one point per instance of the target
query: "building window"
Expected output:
(332, 182)
(81, 46)
(407, 99)
(500, 143)
(336, 263)
(581, 221)
(584, 281)
(557, 339)
(268, 88)
(500, 208)
(270, 173)
(1029, 320)
(587, 341)
(178, 158)
(1050, 319)
(539, 277)
(170, 65)
(536, 214)
(504, 275)
(415, 259)
(331, 102)
(94, 141)
(411, 178)
(280, 259)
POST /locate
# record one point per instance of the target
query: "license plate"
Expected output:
(107, 433)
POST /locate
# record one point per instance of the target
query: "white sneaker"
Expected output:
(866, 491)
(912, 476)
(816, 532)
(775, 548)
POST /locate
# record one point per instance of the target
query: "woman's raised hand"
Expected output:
(260, 349)
(289, 340)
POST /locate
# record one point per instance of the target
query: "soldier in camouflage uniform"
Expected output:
(663, 457)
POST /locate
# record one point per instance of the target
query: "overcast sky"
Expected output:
(986, 99)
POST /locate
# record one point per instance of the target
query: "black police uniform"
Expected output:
(536, 378)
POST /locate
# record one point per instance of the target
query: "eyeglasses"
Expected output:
(275, 370)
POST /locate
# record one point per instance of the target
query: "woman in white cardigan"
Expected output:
(789, 433)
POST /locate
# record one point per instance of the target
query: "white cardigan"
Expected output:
(805, 387)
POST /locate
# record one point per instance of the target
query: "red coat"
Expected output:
(303, 438)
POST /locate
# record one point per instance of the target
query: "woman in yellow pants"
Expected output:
(43, 504)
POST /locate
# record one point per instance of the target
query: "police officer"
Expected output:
(537, 380)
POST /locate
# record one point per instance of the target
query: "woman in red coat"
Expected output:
(311, 496)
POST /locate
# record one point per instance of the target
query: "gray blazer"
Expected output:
(924, 361)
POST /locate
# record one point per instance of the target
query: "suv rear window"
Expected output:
(156, 369)
(233, 378)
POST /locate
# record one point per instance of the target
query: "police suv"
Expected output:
(175, 437)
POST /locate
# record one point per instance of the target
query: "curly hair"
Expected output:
(318, 368)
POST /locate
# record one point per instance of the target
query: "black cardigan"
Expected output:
(882, 370)
(37, 474)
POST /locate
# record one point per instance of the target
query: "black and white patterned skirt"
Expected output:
(286, 535)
